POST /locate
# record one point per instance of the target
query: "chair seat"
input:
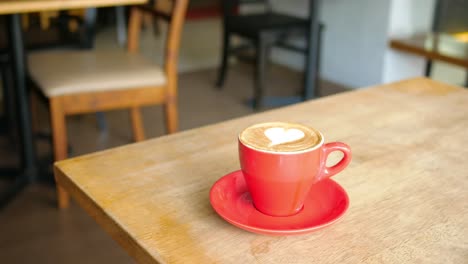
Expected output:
(253, 24)
(67, 72)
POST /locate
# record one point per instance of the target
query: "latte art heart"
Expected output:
(280, 135)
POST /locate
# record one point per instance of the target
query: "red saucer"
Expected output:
(326, 203)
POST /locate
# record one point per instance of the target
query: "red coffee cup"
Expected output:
(279, 182)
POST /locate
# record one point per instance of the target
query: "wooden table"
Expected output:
(26, 6)
(448, 48)
(407, 184)
(435, 46)
(13, 8)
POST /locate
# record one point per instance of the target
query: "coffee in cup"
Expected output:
(280, 137)
(280, 162)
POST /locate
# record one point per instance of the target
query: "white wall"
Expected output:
(355, 49)
(406, 18)
(353, 42)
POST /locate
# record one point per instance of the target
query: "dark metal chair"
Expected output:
(263, 30)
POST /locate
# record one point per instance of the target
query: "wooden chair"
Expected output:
(77, 82)
(263, 30)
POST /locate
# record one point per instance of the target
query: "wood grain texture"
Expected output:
(85, 102)
(26, 6)
(442, 47)
(407, 184)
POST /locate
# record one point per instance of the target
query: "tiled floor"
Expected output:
(33, 230)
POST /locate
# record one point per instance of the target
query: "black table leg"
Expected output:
(260, 64)
(28, 159)
(428, 70)
(8, 102)
(466, 79)
(311, 71)
(28, 171)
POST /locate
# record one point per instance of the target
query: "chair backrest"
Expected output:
(230, 7)
(171, 11)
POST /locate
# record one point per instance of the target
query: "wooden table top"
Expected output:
(407, 184)
(435, 46)
(26, 6)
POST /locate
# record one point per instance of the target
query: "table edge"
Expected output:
(117, 232)
(19, 7)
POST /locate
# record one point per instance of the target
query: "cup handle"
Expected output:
(328, 148)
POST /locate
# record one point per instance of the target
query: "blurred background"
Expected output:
(340, 45)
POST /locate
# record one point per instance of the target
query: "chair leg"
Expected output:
(59, 136)
(224, 60)
(121, 25)
(137, 124)
(102, 123)
(171, 115)
(63, 197)
(261, 54)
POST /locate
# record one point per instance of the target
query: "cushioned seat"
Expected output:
(70, 71)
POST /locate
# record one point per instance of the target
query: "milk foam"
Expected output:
(280, 137)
